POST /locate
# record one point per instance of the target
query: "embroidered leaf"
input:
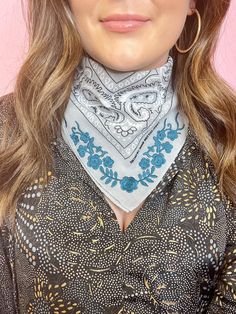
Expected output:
(104, 153)
(107, 171)
(111, 173)
(151, 148)
(108, 180)
(102, 169)
(103, 177)
(114, 183)
(153, 169)
(152, 176)
(143, 183)
(148, 179)
(147, 171)
(140, 176)
(115, 175)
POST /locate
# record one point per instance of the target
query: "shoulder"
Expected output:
(6, 109)
(6, 104)
(7, 100)
(198, 173)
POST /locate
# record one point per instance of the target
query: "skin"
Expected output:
(151, 43)
(146, 48)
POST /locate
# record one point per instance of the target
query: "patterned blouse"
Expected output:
(68, 254)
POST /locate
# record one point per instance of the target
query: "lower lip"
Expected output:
(123, 26)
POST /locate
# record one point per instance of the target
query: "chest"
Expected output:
(123, 218)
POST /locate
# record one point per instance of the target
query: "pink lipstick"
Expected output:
(124, 22)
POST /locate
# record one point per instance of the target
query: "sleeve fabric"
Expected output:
(6, 282)
(224, 297)
(7, 116)
(7, 304)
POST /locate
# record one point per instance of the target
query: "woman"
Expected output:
(118, 162)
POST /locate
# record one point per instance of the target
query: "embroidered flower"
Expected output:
(94, 161)
(85, 137)
(161, 135)
(74, 138)
(129, 184)
(108, 162)
(82, 150)
(144, 163)
(167, 147)
(172, 135)
(158, 160)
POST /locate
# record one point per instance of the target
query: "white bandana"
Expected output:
(125, 128)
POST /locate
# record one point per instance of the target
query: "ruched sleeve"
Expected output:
(6, 283)
(224, 297)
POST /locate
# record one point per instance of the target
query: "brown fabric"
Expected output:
(6, 105)
(68, 254)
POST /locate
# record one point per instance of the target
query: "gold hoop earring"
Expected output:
(198, 32)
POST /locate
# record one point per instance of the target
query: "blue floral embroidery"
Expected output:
(94, 161)
(108, 162)
(158, 160)
(144, 163)
(152, 159)
(85, 137)
(172, 135)
(129, 184)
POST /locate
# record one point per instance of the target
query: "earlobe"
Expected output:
(192, 6)
(190, 11)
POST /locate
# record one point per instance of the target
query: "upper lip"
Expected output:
(125, 17)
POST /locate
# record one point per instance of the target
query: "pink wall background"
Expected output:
(13, 45)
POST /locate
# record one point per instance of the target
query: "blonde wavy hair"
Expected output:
(44, 83)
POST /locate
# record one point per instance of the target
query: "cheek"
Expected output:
(84, 12)
(169, 19)
(167, 27)
(81, 8)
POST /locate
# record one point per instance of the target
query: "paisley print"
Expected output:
(126, 128)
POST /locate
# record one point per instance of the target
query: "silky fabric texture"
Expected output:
(126, 128)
